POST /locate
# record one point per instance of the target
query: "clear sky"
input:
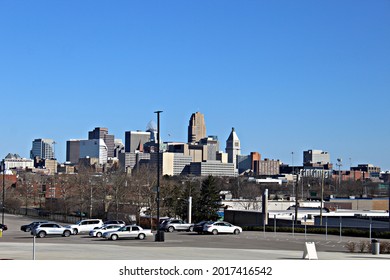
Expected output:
(287, 75)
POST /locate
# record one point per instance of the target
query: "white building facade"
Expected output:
(94, 148)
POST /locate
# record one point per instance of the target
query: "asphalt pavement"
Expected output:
(18, 245)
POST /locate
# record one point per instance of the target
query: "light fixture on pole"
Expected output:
(160, 234)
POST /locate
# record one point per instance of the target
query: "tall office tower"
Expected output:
(102, 133)
(97, 133)
(135, 139)
(73, 151)
(233, 147)
(109, 139)
(94, 148)
(42, 148)
(315, 158)
(196, 128)
(212, 144)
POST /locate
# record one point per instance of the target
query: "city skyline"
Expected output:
(223, 143)
(288, 77)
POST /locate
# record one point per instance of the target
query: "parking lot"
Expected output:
(16, 244)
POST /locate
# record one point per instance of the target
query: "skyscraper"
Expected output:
(212, 144)
(94, 148)
(42, 148)
(196, 128)
(233, 147)
(102, 133)
(97, 133)
(73, 151)
(134, 140)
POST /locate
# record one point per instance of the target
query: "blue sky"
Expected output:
(288, 75)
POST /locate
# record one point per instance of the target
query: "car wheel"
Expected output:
(66, 233)
(114, 237)
(75, 231)
(99, 234)
(171, 229)
(41, 234)
(191, 229)
(236, 231)
(141, 236)
(215, 232)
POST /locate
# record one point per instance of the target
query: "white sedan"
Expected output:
(98, 232)
(221, 227)
(132, 231)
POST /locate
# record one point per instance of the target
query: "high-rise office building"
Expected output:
(43, 148)
(196, 128)
(134, 140)
(97, 133)
(94, 148)
(73, 151)
(233, 147)
(102, 133)
(212, 144)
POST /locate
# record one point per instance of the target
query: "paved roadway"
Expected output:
(18, 245)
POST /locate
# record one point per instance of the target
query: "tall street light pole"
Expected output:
(295, 188)
(339, 164)
(3, 206)
(160, 234)
(322, 194)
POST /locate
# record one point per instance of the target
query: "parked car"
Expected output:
(29, 227)
(3, 227)
(78, 214)
(85, 226)
(176, 224)
(199, 227)
(221, 227)
(44, 229)
(132, 231)
(115, 222)
(98, 232)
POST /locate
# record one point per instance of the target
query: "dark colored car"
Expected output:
(29, 227)
(199, 227)
(3, 227)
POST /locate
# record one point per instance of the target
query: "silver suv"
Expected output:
(50, 229)
(176, 224)
(85, 226)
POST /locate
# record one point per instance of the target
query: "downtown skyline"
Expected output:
(288, 77)
(345, 164)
